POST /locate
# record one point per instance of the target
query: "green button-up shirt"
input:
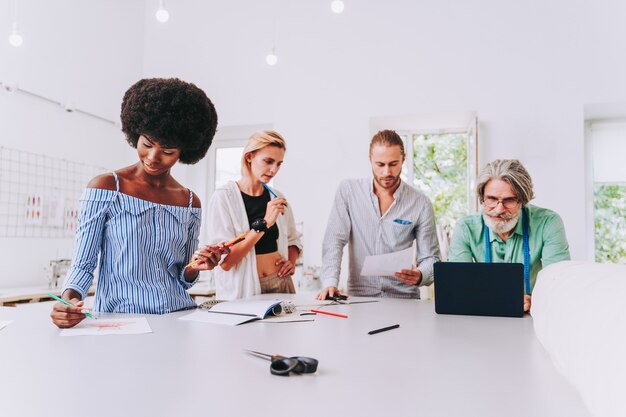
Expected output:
(548, 243)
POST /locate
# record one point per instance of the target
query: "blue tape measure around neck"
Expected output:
(526, 248)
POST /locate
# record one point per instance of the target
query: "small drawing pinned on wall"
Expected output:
(71, 219)
(34, 211)
(55, 210)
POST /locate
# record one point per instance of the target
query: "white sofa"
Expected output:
(579, 314)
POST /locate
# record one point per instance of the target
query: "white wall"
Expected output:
(86, 53)
(527, 69)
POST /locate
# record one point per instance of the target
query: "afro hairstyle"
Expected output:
(171, 112)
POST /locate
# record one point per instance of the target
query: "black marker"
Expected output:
(384, 329)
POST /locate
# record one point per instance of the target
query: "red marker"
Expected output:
(343, 316)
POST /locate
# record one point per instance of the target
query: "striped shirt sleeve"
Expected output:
(88, 240)
(427, 244)
(190, 248)
(335, 239)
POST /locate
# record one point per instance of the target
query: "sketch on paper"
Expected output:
(109, 324)
(135, 325)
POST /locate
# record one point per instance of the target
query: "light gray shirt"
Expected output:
(355, 219)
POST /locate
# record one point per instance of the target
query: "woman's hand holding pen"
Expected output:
(64, 316)
(207, 257)
(274, 208)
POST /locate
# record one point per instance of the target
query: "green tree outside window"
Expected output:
(610, 222)
(440, 172)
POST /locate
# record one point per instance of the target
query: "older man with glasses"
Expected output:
(509, 229)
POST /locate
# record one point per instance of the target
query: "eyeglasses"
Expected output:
(507, 203)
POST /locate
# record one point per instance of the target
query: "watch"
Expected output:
(259, 225)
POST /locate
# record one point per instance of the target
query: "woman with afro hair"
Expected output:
(139, 220)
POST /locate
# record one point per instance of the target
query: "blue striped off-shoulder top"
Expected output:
(143, 248)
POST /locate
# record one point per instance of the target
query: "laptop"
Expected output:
(479, 289)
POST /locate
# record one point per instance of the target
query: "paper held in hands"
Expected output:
(388, 264)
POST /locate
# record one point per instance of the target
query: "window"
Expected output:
(610, 222)
(608, 146)
(224, 157)
(442, 165)
(227, 164)
(440, 172)
(224, 163)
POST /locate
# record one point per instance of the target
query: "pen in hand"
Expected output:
(67, 303)
(230, 244)
(271, 192)
(269, 189)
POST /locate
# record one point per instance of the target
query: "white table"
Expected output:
(432, 365)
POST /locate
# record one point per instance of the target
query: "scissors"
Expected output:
(281, 365)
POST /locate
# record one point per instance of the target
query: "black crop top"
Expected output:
(255, 209)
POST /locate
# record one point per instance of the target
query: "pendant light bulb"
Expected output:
(162, 15)
(337, 6)
(15, 39)
(271, 58)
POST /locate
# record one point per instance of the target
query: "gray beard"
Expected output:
(501, 227)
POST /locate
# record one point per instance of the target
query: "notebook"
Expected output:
(240, 311)
(479, 289)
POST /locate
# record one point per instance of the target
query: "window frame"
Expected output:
(590, 201)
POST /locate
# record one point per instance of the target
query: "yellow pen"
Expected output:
(227, 245)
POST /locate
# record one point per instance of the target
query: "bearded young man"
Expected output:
(376, 216)
(507, 221)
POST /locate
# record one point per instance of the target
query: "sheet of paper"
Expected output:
(216, 318)
(4, 323)
(387, 264)
(100, 327)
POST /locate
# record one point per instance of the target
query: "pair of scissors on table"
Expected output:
(283, 366)
(343, 299)
(338, 298)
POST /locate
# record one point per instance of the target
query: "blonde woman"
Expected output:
(265, 260)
